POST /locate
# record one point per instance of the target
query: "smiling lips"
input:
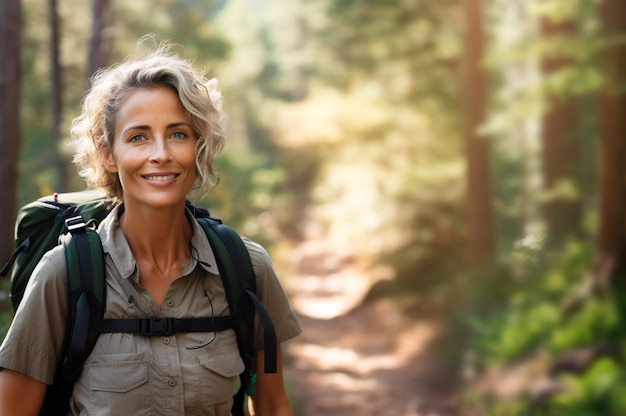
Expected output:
(160, 178)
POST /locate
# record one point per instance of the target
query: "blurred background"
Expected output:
(441, 184)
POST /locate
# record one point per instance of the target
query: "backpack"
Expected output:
(71, 219)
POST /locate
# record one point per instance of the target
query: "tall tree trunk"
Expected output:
(98, 42)
(10, 35)
(560, 152)
(480, 217)
(56, 103)
(611, 241)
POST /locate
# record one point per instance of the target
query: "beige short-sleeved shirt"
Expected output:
(129, 374)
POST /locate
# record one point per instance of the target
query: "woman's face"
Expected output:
(154, 148)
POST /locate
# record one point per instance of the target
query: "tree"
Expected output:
(480, 226)
(98, 42)
(560, 147)
(611, 240)
(10, 27)
(56, 92)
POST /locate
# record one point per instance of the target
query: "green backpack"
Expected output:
(71, 219)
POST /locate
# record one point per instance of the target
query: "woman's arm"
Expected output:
(270, 398)
(20, 395)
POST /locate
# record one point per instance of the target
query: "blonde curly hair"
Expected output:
(92, 132)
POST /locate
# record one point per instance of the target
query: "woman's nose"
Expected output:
(160, 152)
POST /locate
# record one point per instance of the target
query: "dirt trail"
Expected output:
(353, 359)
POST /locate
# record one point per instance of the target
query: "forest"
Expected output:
(466, 157)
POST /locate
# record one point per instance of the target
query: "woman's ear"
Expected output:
(108, 160)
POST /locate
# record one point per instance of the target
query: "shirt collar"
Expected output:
(115, 244)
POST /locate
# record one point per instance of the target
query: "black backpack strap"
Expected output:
(86, 300)
(235, 266)
(86, 288)
(158, 326)
(234, 262)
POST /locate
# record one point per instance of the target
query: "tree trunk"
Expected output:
(56, 100)
(611, 241)
(10, 27)
(98, 42)
(480, 233)
(560, 152)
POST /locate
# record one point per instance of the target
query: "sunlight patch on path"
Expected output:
(354, 358)
(333, 358)
(366, 363)
(326, 297)
(328, 283)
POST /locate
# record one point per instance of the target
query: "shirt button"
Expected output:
(170, 303)
(171, 382)
(166, 341)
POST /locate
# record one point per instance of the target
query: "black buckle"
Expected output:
(155, 326)
(75, 223)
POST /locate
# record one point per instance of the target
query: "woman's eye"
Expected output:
(136, 138)
(179, 135)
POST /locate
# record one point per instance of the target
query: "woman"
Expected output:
(148, 134)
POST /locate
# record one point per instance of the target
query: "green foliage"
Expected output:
(596, 322)
(517, 333)
(412, 47)
(249, 188)
(532, 324)
(599, 389)
(531, 313)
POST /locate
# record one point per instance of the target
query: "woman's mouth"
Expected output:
(160, 178)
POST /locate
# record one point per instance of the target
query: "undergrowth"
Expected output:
(530, 322)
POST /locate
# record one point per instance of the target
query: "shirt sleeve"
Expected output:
(35, 340)
(272, 295)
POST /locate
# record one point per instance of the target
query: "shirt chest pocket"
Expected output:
(118, 373)
(215, 376)
(227, 363)
(117, 381)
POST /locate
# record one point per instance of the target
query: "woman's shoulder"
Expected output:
(54, 258)
(51, 268)
(258, 254)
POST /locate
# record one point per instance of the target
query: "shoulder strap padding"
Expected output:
(86, 289)
(234, 263)
(86, 300)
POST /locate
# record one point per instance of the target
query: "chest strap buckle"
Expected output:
(155, 326)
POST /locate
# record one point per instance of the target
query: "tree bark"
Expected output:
(611, 241)
(56, 96)
(10, 28)
(98, 42)
(480, 226)
(560, 150)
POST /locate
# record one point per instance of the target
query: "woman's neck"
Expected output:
(158, 236)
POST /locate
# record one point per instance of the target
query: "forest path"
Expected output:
(354, 358)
